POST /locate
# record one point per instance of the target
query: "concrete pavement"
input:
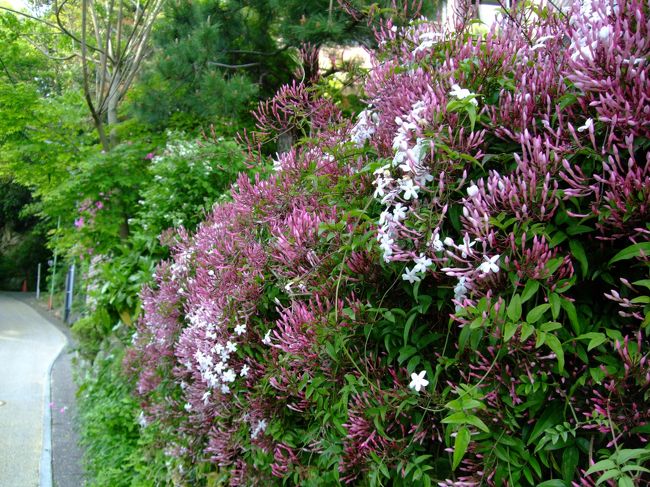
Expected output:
(29, 344)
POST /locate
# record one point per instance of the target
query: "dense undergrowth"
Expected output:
(450, 289)
(510, 194)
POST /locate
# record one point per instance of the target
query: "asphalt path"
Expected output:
(29, 344)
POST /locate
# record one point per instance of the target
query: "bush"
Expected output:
(453, 290)
(91, 330)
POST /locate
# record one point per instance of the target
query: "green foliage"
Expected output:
(116, 454)
(91, 330)
(213, 60)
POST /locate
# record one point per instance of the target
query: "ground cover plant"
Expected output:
(450, 289)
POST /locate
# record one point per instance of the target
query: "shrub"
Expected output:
(451, 290)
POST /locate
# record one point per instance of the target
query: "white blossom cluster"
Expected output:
(365, 127)
(584, 43)
(213, 363)
(396, 193)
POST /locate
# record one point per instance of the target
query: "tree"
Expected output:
(215, 59)
(110, 40)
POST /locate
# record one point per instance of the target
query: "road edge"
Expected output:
(46, 471)
(47, 457)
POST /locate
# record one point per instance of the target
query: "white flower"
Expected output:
(405, 167)
(386, 243)
(399, 212)
(490, 264)
(205, 397)
(364, 128)
(384, 217)
(466, 246)
(460, 290)
(225, 389)
(240, 329)
(244, 371)
(418, 381)
(410, 190)
(259, 428)
(219, 367)
(229, 376)
(188, 406)
(400, 157)
(424, 46)
(267, 338)
(436, 243)
(541, 42)
(382, 171)
(472, 191)
(232, 347)
(422, 263)
(381, 183)
(449, 242)
(589, 123)
(411, 275)
(462, 93)
(604, 33)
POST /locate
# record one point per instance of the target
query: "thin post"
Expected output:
(38, 281)
(49, 305)
(68, 294)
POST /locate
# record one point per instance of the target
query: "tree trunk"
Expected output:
(112, 104)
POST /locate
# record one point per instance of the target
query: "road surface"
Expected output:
(29, 344)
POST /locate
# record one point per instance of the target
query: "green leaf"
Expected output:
(606, 464)
(509, 331)
(530, 289)
(578, 252)
(594, 342)
(643, 282)
(463, 418)
(526, 331)
(478, 422)
(626, 455)
(553, 265)
(552, 483)
(407, 327)
(551, 416)
(631, 252)
(610, 474)
(536, 313)
(550, 326)
(570, 458)
(556, 304)
(514, 308)
(460, 446)
(634, 468)
(554, 344)
(625, 481)
(571, 312)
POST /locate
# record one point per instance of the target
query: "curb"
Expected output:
(46, 477)
(47, 467)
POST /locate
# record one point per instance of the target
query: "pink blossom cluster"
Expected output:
(500, 174)
(88, 210)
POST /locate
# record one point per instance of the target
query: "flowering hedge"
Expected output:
(451, 289)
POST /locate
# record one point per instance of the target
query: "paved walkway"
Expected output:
(29, 344)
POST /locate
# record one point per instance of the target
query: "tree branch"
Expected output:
(6, 70)
(231, 66)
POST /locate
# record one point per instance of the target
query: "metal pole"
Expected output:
(58, 224)
(68, 294)
(65, 296)
(38, 281)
